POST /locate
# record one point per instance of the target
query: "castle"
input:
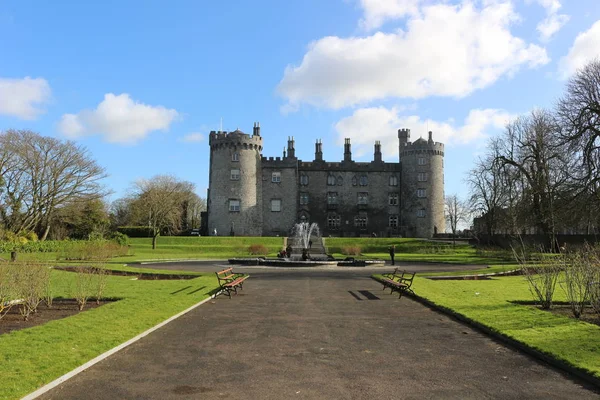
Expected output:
(252, 195)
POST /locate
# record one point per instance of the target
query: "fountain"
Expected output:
(304, 249)
(305, 243)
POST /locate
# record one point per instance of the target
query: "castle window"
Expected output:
(360, 221)
(363, 198)
(340, 180)
(332, 198)
(234, 205)
(363, 180)
(235, 156)
(276, 177)
(331, 180)
(393, 221)
(235, 175)
(421, 160)
(422, 177)
(393, 180)
(304, 179)
(304, 198)
(333, 221)
(275, 205)
(354, 181)
(421, 193)
(393, 199)
(421, 213)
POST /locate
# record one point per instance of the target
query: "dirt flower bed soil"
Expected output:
(565, 311)
(138, 275)
(61, 308)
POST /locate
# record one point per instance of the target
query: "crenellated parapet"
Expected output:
(236, 139)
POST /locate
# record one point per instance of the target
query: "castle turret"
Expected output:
(235, 181)
(422, 185)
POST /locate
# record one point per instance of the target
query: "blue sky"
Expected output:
(141, 83)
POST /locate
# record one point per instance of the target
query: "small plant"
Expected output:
(101, 281)
(351, 250)
(257, 249)
(543, 278)
(31, 283)
(7, 288)
(578, 278)
(84, 286)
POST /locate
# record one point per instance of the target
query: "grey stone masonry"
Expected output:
(250, 194)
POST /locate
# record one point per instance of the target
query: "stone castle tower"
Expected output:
(253, 195)
(235, 184)
(422, 184)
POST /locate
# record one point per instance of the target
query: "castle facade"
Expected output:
(253, 195)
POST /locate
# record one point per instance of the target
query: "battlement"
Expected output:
(218, 139)
(278, 162)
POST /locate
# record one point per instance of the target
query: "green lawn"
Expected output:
(489, 303)
(421, 250)
(33, 357)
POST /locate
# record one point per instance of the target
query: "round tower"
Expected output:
(235, 184)
(422, 186)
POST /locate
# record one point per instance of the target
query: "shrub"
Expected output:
(101, 281)
(7, 288)
(119, 238)
(257, 249)
(135, 231)
(578, 278)
(32, 281)
(97, 250)
(351, 250)
(84, 285)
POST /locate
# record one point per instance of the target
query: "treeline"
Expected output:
(542, 174)
(53, 189)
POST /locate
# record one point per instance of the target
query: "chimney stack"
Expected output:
(318, 150)
(347, 152)
(256, 129)
(377, 154)
(291, 148)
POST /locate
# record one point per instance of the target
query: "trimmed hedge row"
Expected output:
(136, 231)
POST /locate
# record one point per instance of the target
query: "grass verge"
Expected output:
(489, 303)
(35, 356)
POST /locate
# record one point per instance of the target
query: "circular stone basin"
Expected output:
(280, 262)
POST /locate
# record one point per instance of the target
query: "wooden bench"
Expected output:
(399, 281)
(229, 281)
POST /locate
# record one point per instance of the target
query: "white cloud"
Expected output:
(119, 119)
(376, 12)
(551, 25)
(366, 125)
(21, 98)
(193, 138)
(585, 48)
(447, 51)
(553, 22)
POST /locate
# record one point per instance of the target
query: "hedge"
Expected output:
(135, 231)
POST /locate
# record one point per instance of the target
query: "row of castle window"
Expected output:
(331, 180)
(234, 206)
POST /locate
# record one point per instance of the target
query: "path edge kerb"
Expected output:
(520, 346)
(110, 352)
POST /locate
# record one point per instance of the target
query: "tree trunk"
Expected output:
(154, 241)
(13, 256)
(45, 235)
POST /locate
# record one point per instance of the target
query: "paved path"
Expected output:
(318, 335)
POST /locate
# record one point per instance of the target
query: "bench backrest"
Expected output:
(407, 277)
(224, 273)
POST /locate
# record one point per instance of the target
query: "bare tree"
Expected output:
(532, 148)
(160, 200)
(457, 211)
(41, 174)
(579, 114)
